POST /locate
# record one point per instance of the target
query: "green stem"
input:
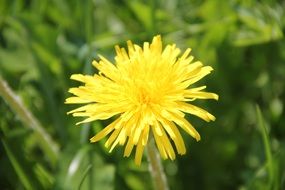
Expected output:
(14, 101)
(155, 166)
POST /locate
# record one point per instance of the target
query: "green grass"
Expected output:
(43, 42)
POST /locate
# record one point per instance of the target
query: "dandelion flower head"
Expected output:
(148, 90)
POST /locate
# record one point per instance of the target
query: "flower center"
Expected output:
(144, 93)
(144, 97)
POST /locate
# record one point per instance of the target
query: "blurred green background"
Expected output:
(43, 42)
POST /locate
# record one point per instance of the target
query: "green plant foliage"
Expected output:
(43, 42)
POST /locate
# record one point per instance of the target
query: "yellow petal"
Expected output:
(184, 124)
(113, 137)
(159, 144)
(203, 114)
(129, 147)
(200, 95)
(139, 152)
(178, 140)
(105, 131)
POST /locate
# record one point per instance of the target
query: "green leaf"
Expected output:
(142, 12)
(75, 166)
(259, 25)
(268, 152)
(32, 175)
(87, 169)
(84, 175)
(22, 174)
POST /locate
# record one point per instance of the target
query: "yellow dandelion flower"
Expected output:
(148, 90)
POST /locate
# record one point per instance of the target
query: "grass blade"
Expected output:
(45, 141)
(84, 175)
(18, 168)
(266, 142)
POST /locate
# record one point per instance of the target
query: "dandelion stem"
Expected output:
(155, 166)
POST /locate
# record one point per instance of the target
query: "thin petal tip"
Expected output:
(216, 96)
(75, 76)
(94, 63)
(198, 138)
(93, 140)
